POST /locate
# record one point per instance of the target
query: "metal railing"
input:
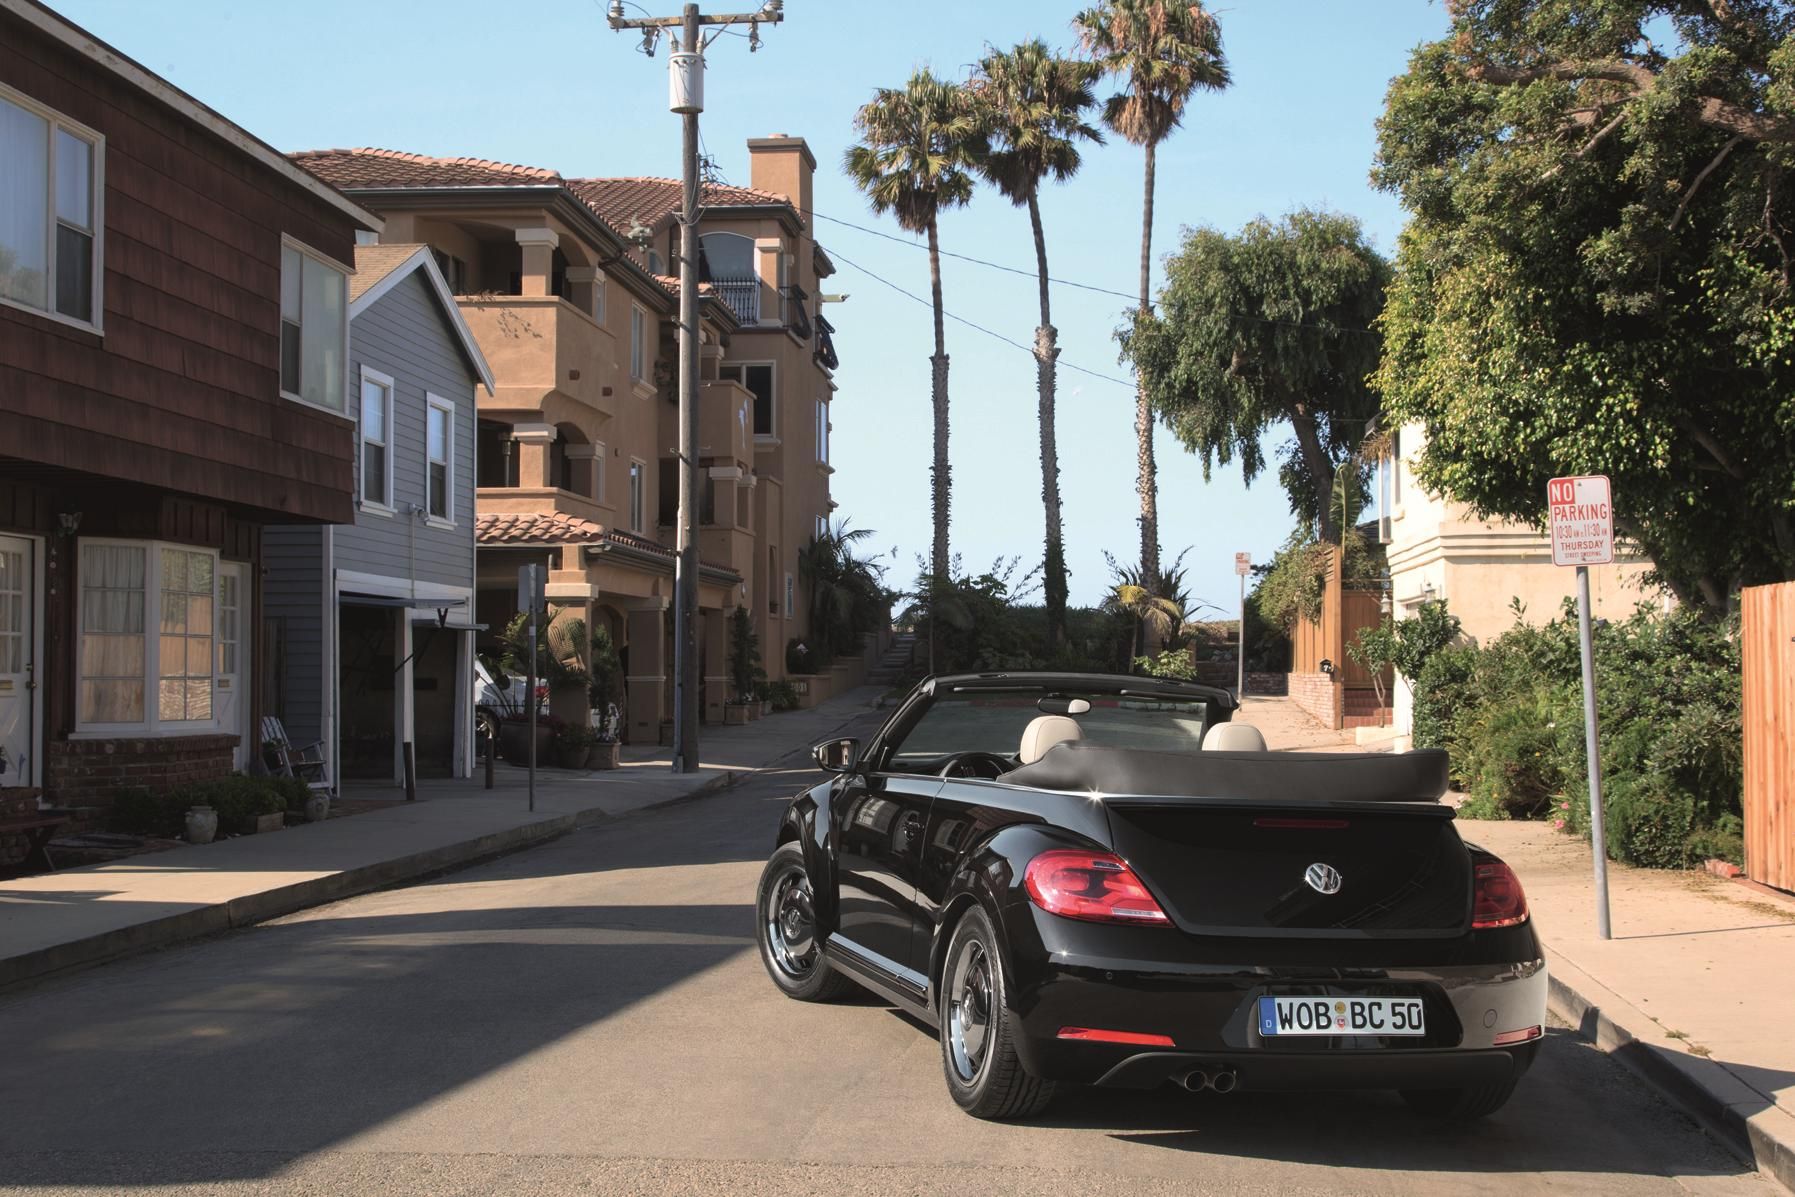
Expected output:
(742, 295)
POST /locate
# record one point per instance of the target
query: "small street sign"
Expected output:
(532, 587)
(1243, 564)
(1582, 519)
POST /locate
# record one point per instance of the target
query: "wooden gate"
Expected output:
(1768, 649)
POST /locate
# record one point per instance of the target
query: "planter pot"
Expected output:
(571, 704)
(202, 824)
(571, 758)
(265, 823)
(317, 808)
(735, 712)
(604, 756)
(514, 742)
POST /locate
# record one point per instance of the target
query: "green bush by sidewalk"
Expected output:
(238, 799)
(1669, 702)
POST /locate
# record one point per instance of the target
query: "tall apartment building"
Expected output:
(568, 285)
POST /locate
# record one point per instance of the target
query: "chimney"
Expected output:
(783, 165)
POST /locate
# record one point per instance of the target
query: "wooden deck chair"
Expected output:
(305, 762)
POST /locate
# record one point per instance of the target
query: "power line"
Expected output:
(1124, 382)
(1066, 282)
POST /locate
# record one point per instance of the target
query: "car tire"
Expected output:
(978, 1032)
(1461, 1105)
(785, 929)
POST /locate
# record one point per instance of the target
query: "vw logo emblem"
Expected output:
(1322, 878)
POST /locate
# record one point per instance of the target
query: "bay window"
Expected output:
(50, 199)
(133, 680)
(314, 327)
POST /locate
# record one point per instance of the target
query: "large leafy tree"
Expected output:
(1267, 329)
(1162, 52)
(1034, 109)
(917, 149)
(1596, 277)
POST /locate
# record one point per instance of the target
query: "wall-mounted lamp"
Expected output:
(1427, 592)
(70, 522)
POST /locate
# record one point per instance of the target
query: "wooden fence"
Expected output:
(1768, 649)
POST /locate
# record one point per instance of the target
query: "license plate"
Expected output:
(1340, 1016)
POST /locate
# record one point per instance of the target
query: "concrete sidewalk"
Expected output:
(1696, 991)
(79, 917)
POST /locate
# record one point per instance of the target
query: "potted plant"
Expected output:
(745, 672)
(605, 752)
(571, 743)
(763, 698)
(560, 663)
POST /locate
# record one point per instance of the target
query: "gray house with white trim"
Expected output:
(369, 625)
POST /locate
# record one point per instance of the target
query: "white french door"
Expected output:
(20, 716)
(232, 701)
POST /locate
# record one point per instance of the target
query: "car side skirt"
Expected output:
(888, 979)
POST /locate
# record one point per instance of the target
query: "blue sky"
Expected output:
(549, 85)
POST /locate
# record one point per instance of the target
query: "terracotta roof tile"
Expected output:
(509, 529)
(369, 167)
(621, 202)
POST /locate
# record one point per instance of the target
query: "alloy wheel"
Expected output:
(790, 919)
(969, 1010)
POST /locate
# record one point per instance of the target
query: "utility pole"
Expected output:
(686, 97)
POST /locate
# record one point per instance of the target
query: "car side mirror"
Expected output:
(837, 756)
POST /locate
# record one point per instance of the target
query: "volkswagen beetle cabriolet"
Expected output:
(1099, 880)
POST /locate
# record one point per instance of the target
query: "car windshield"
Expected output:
(989, 720)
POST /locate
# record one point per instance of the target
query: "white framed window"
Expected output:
(822, 432)
(149, 644)
(598, 473)
(439, 460)
(376, 441)
(51, 198)
(760, 379)
(638, 344)
(790, 594)
(314, 326)
(822, 526)
(638, 493)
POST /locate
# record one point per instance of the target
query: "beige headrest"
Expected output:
(1233, 737)
(1043, 732)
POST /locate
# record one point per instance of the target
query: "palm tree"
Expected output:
(1161, 51)
(918, 146)
(1034, 106)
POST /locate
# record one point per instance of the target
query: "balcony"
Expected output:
(742, 295)
(539, 347)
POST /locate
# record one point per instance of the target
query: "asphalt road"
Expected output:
(590, 1017)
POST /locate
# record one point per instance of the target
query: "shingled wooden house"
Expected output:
(173, 379)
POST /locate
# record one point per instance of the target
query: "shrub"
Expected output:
(1509, 755)
(1441, 693)
(139, 812)
(783, 695)
(1172, 663)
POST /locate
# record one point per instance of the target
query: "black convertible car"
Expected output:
(1103, 880)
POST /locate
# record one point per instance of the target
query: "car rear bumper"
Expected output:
(1140, 982)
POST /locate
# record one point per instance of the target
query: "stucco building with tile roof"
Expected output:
(568, 286)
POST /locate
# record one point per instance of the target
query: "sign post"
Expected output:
(1582, 523)
(1243, 565)
(532, 581)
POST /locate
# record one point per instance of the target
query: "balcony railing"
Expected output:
(797, 318)
(742, 295)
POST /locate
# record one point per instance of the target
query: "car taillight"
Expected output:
(1496, 897)
(1094, 886)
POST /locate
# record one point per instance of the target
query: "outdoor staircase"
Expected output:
(891, 667)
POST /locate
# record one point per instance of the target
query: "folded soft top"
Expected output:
(1418, 776)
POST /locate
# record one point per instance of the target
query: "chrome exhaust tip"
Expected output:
(1196, 1081)
(1224, 1082)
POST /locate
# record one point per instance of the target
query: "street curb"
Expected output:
(1743, 1119)
(172, 929)
(169, 930)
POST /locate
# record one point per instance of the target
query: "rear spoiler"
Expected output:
(1078, 767)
